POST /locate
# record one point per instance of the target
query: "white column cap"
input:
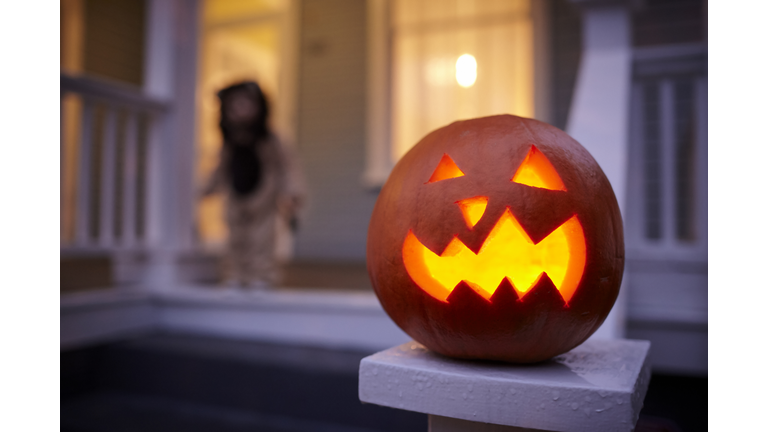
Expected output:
(599, 385)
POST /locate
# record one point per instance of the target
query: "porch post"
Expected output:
(599, 115)
(170, 73)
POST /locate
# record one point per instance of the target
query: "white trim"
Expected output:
(104, 316)
(378, 154)
(334, 319)
(321, 318)
(170, 73)
(599, 115)
(328, 319)
(542, 54)
(286, 117)
(160, 52)
(669, 52)
(182, 196)
(158, 49)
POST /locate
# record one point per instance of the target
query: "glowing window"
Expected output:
(457, 60)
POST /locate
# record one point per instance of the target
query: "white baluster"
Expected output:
(667, 137)
(130, 179)
(635, 217)
(83, 214)
(156, 175)
(107, 201)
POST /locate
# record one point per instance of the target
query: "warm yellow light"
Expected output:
(537, 171)
(507, 252)
(446, 169)
(473, 209)
(466, 70)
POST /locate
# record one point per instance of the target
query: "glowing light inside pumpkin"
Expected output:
(508, 252)
(537, 171)
(473, 209)
(445, 170)
(466, 70)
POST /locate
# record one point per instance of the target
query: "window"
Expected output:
(445, 61)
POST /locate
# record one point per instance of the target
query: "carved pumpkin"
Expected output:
(497, 238)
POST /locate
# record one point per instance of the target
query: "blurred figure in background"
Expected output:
(261, 181)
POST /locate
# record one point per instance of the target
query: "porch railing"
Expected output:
(666, 221)
(668, 154)
(110, 136)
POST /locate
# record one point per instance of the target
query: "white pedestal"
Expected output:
(598, 386)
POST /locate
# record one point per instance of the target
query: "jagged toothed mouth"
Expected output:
(507, 252)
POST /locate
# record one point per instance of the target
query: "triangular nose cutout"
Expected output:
(473, 209)
(445, 170)
(537, 171)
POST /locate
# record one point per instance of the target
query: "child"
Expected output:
(260, 180)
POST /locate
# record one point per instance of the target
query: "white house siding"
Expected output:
(331, 131)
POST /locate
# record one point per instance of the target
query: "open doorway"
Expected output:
(244, 40)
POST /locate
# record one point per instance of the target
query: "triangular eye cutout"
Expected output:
(537, 171)
(445, 170)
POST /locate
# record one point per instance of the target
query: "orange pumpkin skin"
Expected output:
(505, 327)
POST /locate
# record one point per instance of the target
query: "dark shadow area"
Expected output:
(175, 382)
(85, 273)
(165, 382)
(675, 403)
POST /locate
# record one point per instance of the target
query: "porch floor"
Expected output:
(93, 273)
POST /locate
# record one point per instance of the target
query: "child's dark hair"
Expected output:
(245, 168)
(259, 125)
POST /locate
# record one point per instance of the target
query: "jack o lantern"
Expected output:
(497, 238)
